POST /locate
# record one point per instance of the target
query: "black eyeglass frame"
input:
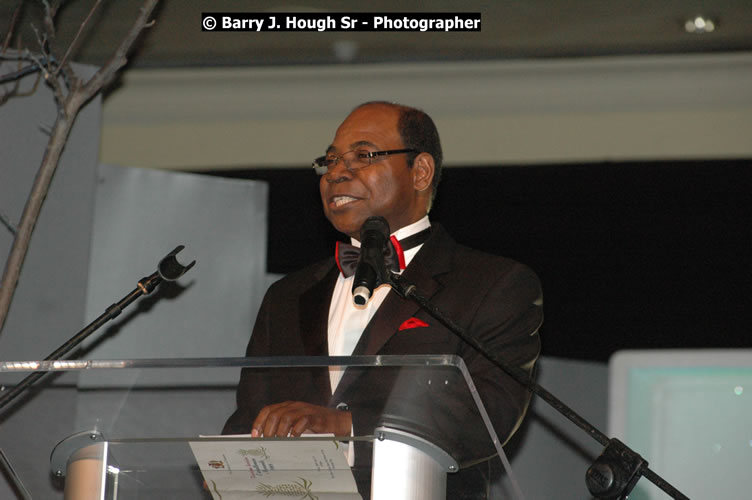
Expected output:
(321, 169)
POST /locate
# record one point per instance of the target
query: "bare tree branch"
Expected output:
(12, 26)
(106, 74)
(74, 44)
(22, 71)
(70, 79)
(11, 93)
(41, 40)
(49, 77)
(50, 11)
(68, 109)
(16, 79)
(8, 224)
(16, 76)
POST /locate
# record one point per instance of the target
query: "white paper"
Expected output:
(261, 468)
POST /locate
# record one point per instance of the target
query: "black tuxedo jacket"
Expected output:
(496, 300)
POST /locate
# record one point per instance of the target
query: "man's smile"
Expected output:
(341, 200)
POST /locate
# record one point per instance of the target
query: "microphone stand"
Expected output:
(169, 269)
(615, 472)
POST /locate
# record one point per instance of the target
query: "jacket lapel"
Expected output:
(392, 313)
(314, 316)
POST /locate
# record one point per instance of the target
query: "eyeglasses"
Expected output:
(358, 158)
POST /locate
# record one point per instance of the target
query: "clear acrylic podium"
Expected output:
(121, 429)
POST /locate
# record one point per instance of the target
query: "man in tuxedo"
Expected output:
(385, 160)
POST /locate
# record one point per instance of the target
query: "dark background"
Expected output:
(631, 255)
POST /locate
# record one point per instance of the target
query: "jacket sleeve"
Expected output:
(252, 392)
(506, 323)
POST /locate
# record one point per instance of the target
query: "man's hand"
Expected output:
(293, 418)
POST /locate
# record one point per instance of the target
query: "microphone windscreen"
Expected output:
(375, 223)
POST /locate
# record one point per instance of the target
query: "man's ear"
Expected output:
(423, 172)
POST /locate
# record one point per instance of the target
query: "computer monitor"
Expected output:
(689, 414)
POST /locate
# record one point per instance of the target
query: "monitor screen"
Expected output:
(689, 414)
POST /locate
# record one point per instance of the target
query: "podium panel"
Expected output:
(139, 429)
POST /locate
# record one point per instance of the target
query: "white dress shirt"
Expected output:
(347, 320)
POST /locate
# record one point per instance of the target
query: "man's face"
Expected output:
(385, 188)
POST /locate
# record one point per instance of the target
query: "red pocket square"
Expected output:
(412, 323)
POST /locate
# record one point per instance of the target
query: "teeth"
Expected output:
(341, 200)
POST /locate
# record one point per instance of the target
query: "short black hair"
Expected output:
(418, 131)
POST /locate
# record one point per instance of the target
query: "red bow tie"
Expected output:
(347, 255)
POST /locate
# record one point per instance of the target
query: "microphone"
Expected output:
(371, 269)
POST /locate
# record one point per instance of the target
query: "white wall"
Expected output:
(615, 108)
(49, 303)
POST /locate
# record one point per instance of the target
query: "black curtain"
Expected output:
(631, 255)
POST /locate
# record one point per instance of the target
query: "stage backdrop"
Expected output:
(82, 268)
(141, 216)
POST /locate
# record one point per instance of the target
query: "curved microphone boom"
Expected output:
(371, 270)
(169, 269)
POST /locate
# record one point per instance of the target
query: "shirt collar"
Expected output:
(404, 232)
